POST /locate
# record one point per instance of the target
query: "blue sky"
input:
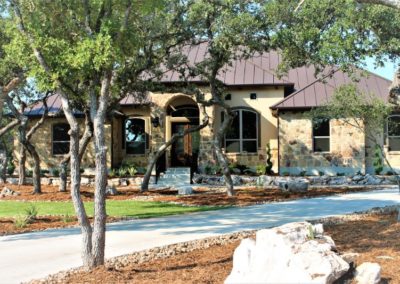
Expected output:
(387, 71)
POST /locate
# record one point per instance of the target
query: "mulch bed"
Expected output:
(201, 196)
(372, 237)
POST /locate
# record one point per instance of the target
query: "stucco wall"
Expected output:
(266, 97)
(42, 141)
(347, 147)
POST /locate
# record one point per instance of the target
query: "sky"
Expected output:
(387, 71)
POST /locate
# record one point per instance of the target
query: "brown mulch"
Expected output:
(203, 196)
(7, 225)
(371, 237)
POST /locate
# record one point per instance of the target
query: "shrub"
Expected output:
(54, 172)
(321, 173)
(141, 170)
(303, 173)
(29, 173)
(132, 171)
(286, 174)
(31, 212)
(66, 218)
(122, 172)
(10, 168)
(340, 174)
(378, 163)
(261, 169)
(44, 172)
(112, 173)
(268, 168)
(21, 221)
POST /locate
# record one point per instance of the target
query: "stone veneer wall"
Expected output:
(347, 144)
(42, 140)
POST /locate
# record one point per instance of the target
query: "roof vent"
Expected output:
(253, 96)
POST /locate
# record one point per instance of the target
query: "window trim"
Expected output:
(61, 141)
(145, 132)
(241, 139)
(387, 133)
(321, 137)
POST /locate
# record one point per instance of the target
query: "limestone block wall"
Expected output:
(42, 140)
(347, 147)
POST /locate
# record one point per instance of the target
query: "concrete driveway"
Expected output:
(34, 255)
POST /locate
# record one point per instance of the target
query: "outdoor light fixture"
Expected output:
(155, 121)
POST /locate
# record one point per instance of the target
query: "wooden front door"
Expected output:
(184, 152)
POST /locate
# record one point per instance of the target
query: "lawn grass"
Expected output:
(115, 208)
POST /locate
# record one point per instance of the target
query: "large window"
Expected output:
(135, 136)
(393, 131)
(60, 139)
(321, 135)
(242, 136)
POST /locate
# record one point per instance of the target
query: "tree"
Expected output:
(25, 136)
(93, 51)
(366, 113)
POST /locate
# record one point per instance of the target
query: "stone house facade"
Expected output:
(270, 110)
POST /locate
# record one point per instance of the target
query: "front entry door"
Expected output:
(184, 152)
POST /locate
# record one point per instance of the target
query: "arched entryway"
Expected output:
(183, 113)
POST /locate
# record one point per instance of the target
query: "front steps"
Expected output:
(174, 177)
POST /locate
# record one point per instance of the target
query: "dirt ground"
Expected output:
(375, 238)
(202, 195)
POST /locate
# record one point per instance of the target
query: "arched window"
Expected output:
(243, 134)
(60, 139)
(135, 136)
(393, 132)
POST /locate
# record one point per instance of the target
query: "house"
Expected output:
(269, 110)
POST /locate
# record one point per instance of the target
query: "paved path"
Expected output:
(35, 255)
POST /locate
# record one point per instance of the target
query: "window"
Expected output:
(321, 135)
(135, 136)
(60, 139)
(393, 131)
(242, 136)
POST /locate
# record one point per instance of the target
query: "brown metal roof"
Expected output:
(260, 70)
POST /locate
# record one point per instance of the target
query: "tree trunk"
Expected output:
(98, 109)
(164, 147)
(4, 164)
(83, 220)
(221, 157)
(36, 168)
(22, 166)
(63, 176)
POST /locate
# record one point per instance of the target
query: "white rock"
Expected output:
(185, 190)
(111, 190)
(294, 186)
(318, 229)
(287, 254)
(368, 273)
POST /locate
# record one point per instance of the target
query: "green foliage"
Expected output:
(10, 167)
(285, 174)
(21, 221)
(378, 160)
(31, 212)
(112, 173)
(321, 173)
(261, 169)
(44, 172)
(303, 173)
(67, 218)
(29, 173)
(55, 172)
(340, 174)
(212, 169)
(311, 234)
(132, 171)
(269, 165)
(122, 172)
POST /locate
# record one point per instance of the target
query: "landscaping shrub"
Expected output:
(378, 163)
(261, 169)
(303, 173)
(268, 168)
(29, 173)
(132, 171)
(122, 172)
(44, 172)
(67, 218)
(21, 221)
(31, 213)
(10, 167)
(112, 173)
(54, 172)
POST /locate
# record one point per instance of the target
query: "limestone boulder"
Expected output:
(298, 185)
(368, 273)
(185, 190)
(292, 253)
(111, 190)
(8, 192)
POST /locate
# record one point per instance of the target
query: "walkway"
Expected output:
(35, 255)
